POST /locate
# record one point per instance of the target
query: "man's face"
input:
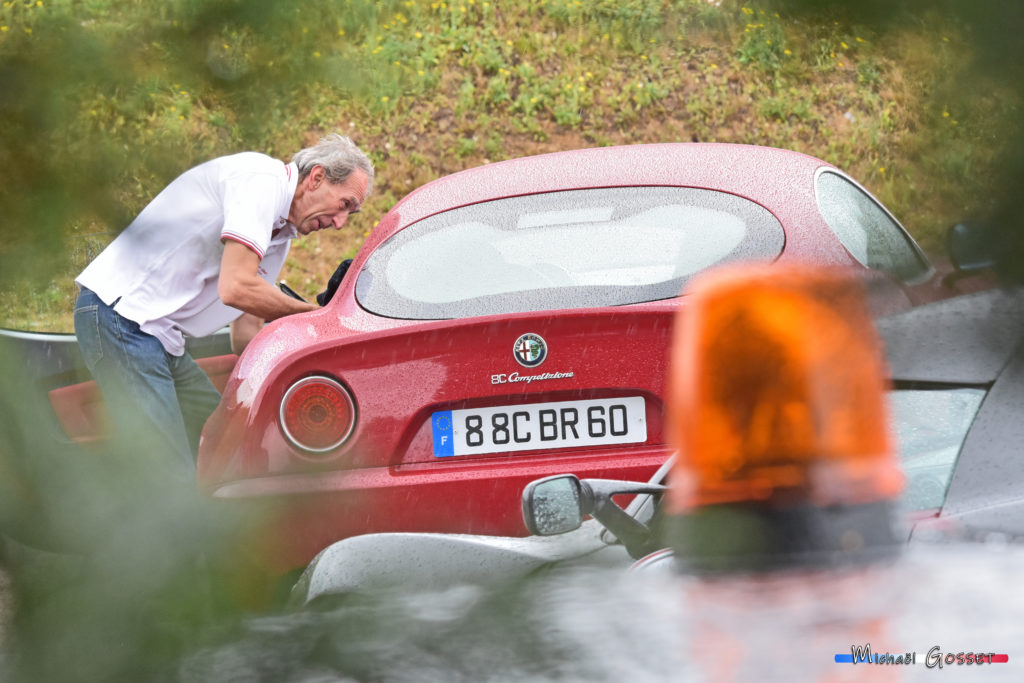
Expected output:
(320, 204)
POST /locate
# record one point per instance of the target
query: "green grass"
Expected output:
(430, 88)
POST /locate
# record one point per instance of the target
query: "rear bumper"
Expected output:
(303, 514)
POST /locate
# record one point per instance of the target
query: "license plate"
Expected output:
(561, 424)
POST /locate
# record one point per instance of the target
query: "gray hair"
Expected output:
(338, 155)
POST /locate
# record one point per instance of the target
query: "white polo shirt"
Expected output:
(164, 266)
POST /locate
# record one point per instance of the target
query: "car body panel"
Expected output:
(400, 377)
(963, 340)
(309, 512)
(989, 474)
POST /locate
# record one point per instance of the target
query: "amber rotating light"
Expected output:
(777, 408)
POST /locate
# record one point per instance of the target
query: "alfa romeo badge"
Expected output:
(530, 350)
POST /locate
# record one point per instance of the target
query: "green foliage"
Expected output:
(764, 43)
(135, 92)
(869, 72)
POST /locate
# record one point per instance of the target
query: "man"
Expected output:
(204, 253)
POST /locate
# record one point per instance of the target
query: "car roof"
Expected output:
(780, 180)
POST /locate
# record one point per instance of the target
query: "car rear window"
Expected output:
(574, 249)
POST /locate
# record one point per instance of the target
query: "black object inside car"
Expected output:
(289, 291)
(332, 285)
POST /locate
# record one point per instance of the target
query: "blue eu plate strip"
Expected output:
(444, 440)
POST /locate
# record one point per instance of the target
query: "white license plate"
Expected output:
(535, 426)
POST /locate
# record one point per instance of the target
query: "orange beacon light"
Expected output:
(776, 406)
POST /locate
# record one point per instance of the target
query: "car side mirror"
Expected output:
(558, 504)
(972, 249)
(552, 505)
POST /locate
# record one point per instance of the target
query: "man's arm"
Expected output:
(241, 287)
(242, 330)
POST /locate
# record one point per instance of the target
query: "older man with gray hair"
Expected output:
(204, 253)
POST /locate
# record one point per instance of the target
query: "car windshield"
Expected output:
(930, 428)
(574, 249)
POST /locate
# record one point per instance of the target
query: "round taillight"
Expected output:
(317, 414)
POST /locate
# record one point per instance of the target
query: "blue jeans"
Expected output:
(158, 403)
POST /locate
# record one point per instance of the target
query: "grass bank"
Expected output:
(430, 88)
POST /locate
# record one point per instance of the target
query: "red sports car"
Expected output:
(512, 321)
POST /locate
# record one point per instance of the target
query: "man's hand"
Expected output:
(241, 287)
